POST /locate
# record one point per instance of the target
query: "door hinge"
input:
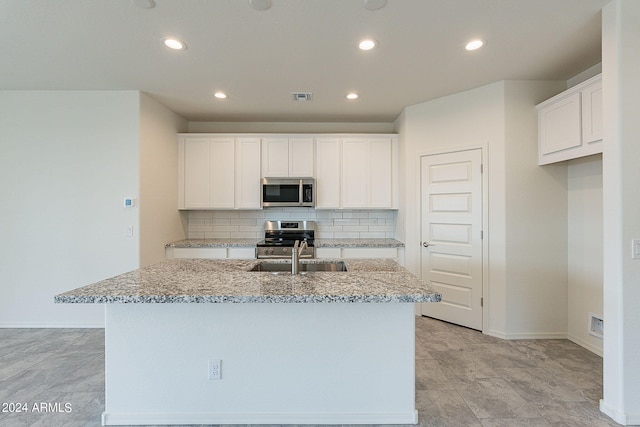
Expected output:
(481, 168)
(481, 234)
(481, 302)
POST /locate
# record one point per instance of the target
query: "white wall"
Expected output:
(68, 160)
(160, 220)
(289, 127)
(501, 118)
(536, 221)
(621, 175)
(585, 248)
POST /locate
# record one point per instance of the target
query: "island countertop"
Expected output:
(230, 281)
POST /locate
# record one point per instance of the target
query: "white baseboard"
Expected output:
(527, 335)
(592, 348)
(619, 417)
(98, 325)
(298, 418)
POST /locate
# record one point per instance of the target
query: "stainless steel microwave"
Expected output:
(279, 192)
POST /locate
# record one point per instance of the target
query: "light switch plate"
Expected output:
(635, 248)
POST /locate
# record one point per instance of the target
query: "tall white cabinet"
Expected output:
(218, 173)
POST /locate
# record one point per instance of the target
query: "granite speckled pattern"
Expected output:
(358, 243)
(319, 243)
(230, 281)
(213, 243)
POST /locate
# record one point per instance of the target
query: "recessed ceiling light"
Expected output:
(144, 4)
(352, 95)
(174, 44)
(367, 44)
(260, 4)
(474, 44)
(220, 95)
(374, 4)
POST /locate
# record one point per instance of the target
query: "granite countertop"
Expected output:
(213, 243)
(319, 243)
(229, 281)
(358, 243)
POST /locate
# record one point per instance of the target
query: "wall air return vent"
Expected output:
(301, 96)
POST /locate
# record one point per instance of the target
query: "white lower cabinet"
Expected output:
(357, 253)
(211, 253)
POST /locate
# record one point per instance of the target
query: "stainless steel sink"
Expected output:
(275, 267)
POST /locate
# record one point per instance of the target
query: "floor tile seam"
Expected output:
(565, 379)
(535, 401)
(471, 411)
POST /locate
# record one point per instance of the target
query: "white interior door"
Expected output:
(451, 218)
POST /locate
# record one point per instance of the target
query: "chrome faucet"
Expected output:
(295, 255)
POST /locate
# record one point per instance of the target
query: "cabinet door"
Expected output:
(355, 173)
(592, 113)
(328, 173)
(560, 126)
(196, 182)
(275, 157)
(380, 178)
(301, 157)
(222, 183)
(247, 173)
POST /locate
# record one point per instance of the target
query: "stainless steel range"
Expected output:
(280, 237)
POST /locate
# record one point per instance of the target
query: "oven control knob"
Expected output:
(284, 250)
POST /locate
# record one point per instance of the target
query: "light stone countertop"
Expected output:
(214, 243)
(319, 243)
(358, 243)
(229, 281)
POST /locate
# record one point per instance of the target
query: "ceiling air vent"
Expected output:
(301, 96)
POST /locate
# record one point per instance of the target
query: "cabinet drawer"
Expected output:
(359, 253)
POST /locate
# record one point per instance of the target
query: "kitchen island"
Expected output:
(315, 348)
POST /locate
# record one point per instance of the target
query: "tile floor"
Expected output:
(463, 378)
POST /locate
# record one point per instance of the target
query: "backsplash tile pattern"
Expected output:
(330, 224)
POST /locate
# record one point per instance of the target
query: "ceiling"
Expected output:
(260, 57)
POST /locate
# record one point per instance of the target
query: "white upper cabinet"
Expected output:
(223, 171)
(368, 179)
(328, 172)
(247, 173)
(570, 123)
(287, 157)
(592, 112)
(218, 173)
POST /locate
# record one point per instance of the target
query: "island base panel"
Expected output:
(280, 364)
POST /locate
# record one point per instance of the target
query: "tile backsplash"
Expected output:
(330, 224)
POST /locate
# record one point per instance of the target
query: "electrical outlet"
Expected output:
(215, 369)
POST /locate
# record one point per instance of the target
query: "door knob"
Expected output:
(427, 244)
